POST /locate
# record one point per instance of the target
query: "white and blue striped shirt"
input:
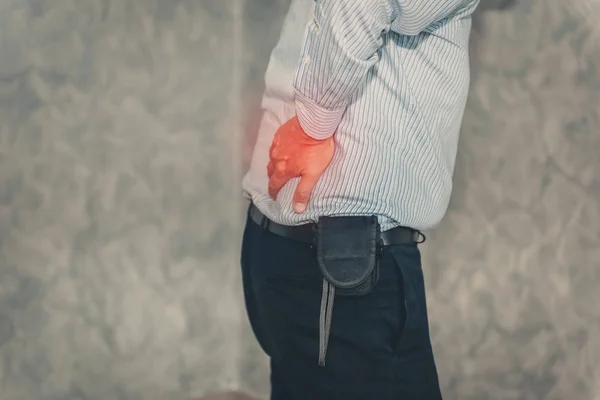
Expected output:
(389, 79)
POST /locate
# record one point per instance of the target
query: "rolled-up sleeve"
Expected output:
(342, 43)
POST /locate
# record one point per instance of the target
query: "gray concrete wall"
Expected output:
(119, 203)
(124, 125)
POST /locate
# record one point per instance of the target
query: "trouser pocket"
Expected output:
(414, 335)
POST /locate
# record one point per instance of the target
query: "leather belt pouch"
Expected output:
(348, 253)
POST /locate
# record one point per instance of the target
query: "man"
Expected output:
(354, 158)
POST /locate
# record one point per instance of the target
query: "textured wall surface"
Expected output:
(120, 210)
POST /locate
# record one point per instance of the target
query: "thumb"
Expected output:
(303, 192)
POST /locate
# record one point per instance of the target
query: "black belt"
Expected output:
(306, 232)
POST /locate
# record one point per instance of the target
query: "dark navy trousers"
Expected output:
(379, 348)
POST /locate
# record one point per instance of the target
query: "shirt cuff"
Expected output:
(316, 121)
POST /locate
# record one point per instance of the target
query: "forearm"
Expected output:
(342, 45)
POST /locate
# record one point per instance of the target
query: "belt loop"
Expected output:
(265, 222)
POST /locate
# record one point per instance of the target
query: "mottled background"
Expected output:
(121, 132)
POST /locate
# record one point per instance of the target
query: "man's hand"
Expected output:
(294, 153)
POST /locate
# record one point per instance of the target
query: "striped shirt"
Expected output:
(389, 80)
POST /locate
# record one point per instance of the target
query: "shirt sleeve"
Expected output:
(342, 43)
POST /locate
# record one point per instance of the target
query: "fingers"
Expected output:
(276, 170)
(276, 183)
(276, 153)
(278, 177)
(303, 192)
(274, 149)
(276, 166)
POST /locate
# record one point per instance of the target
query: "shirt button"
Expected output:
(299, 105)
(307, 60)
